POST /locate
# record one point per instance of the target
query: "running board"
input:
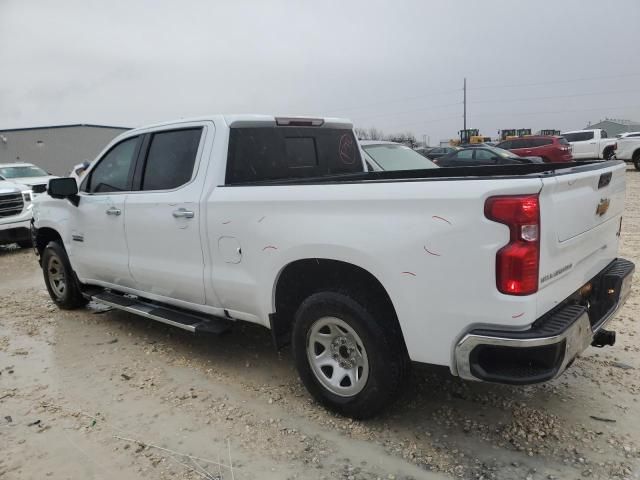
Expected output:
(192, 322)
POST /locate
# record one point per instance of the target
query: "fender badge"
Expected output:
(603, 206)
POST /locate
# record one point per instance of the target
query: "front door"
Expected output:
(163, 216)
(98, 249)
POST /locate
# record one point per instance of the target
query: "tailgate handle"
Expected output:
(605, 179)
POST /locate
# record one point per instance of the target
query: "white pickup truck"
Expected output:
(591, 144)
(628, 149)
(503, 273)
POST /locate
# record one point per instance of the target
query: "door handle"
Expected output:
(113, 211)
(183, 213)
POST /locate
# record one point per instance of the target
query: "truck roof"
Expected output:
(257, 120)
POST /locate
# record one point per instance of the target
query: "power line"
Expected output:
(494, 114)
(557, 96)
(445, 92)
(554, 112)
(496, 101)
(552, 82)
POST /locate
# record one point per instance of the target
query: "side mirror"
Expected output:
(63, 188)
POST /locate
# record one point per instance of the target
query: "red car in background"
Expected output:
(549, 148)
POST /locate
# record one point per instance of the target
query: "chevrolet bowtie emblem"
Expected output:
(603, 206)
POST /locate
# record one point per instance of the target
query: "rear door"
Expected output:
(580, 216)
(98, 249)
(162, 221)
(583, 144)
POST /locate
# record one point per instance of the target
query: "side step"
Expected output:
(190, 321)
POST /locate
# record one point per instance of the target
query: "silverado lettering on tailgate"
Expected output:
(560, 271)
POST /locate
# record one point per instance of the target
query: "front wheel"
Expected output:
(636, 161)
(349, 358)
(60, 279)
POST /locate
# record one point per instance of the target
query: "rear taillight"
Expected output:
(615, 146)
(517, 263)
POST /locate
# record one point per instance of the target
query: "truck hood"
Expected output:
(10, 187)
(30, 181)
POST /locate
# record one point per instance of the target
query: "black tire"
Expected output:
(25, 244)
(386, 357)
(60, 279)
(636, 160)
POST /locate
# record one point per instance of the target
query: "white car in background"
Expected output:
(391, 156)
(628, 135)
(628, 149)
(15, 214)
(26, 174)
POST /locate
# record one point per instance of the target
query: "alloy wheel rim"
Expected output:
(337, 356)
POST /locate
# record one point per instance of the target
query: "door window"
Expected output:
(113, 172)
(541, 142)
(485, 156)
(171, 158)
(519, 144)
(464, 155)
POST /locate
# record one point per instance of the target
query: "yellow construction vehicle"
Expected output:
(507, 133)
(550, 132)
(470, 135)
(513, 133)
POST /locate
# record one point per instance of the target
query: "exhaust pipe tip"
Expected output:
(604, 338)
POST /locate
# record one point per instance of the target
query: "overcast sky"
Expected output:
(398, 66)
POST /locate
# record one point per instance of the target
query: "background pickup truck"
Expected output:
(502, 273)
(590, 144)
(15, 214)
(628, 149)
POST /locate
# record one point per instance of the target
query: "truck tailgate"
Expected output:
(580, 216)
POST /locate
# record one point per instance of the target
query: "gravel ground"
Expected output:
(99, 394)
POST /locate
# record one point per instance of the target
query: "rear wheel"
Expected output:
(636, 160)
(60, 279)
(349, 358)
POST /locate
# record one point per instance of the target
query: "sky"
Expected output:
(397, 66)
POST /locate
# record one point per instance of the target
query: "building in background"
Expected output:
(614, 126)
(58, 148)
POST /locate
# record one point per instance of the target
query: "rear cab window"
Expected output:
(578, 136)
(283, 152)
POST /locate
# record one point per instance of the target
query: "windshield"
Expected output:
(22, 171)
(397, 157)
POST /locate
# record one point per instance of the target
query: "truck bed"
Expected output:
(539, 170)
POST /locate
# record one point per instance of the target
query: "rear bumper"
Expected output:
(552, 343)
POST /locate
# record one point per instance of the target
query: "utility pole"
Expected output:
(465, 102)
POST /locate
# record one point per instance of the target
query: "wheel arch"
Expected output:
(43, 236)
(304, 276)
